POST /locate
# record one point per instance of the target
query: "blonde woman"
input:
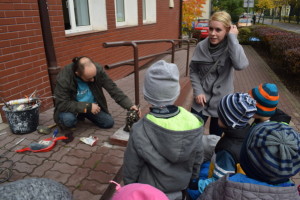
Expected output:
(212, 68)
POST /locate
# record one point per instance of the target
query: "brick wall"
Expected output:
(23, 64)
(167, 27)
(23, 67)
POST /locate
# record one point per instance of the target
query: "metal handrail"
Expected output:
(136, 58)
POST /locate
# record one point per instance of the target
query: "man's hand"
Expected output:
(200, 99)
(134, 107)
(95, 108)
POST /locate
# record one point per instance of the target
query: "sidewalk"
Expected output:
(86, 170)
(294, 27)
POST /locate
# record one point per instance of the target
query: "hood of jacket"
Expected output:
(175, 146)
(228, 190)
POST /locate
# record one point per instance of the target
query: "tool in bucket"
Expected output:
(44, 145)
(4, 103)
(26, 100)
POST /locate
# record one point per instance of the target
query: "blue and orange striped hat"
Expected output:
(266, 96)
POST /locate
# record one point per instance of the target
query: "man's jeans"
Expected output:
(101, 119)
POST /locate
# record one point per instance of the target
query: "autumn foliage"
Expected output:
(283, 47)
(192, 9)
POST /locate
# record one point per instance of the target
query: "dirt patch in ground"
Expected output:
(291, 82)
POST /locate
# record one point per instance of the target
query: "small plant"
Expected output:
(292, 59)
(96, 164)
(244, 34)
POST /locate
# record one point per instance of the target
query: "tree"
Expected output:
(263, 5)
(233, 7)
(191, 11)
(278, 4)
(295, 9)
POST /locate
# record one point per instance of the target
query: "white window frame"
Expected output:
(97, 13)
(131, 14)
(150, 12)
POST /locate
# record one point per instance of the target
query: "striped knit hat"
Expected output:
(266, 96)
(271, 153)
(235, 110)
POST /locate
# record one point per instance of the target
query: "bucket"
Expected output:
(24, 121)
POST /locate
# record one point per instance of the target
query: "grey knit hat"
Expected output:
(271, 153)
(35, 188)
(161, 84)
(235, 110)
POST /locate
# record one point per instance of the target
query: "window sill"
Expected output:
(126, 26)
(148, 23)
(83, 33)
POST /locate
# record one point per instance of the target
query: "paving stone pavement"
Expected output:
(86, 170)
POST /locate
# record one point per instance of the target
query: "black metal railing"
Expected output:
(136, 58)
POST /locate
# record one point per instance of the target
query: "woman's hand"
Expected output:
(234, 30)
(200, 99)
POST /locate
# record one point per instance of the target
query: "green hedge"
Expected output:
(283, 47)
(244, 34)
(292, 57)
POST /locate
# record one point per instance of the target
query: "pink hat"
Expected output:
(138, 191)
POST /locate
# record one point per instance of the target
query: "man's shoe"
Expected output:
(69, 135)
(68, 132)
(80, 117)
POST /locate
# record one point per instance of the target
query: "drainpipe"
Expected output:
(53, 69)
(180, 20)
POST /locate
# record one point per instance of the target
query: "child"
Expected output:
(267, 98)
(234, 111)
(138, 191)
(209, 143)
(163, 149)
(270, 156)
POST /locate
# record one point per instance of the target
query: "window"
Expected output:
(144, 10)
(84, 15)
(120, 10)
(149, 11)
(126, 13)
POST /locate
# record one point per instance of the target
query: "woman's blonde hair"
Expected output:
(223, 17)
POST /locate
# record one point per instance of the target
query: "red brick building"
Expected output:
(38, 37)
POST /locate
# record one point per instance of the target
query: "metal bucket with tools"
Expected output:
(22, 121)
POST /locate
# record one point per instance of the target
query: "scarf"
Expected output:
(208, 54)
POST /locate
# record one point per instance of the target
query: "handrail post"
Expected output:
(187, 58)
(173, 51)
(136, 73)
